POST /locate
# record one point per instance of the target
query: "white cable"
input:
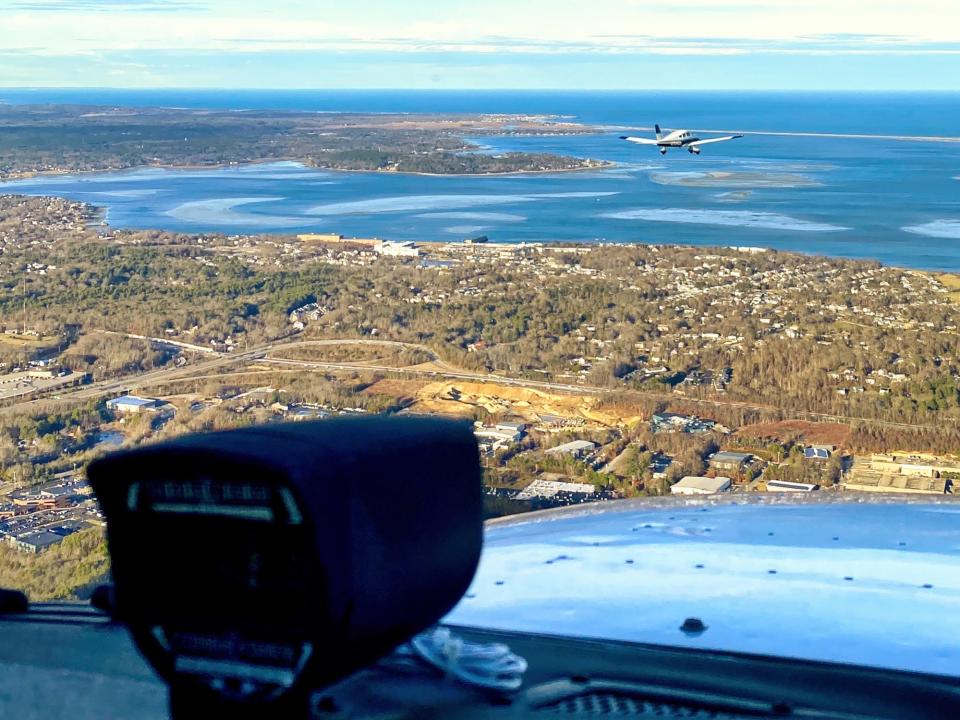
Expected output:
(489, 665)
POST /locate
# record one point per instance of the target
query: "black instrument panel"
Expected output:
(253, 565)
(88, 668)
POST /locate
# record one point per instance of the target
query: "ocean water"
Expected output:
(866, 176)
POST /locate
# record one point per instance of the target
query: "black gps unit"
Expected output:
(255, 565)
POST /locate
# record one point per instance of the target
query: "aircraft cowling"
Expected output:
(759, 569)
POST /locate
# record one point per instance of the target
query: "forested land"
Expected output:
(65, 138)
(872, 348)
(801, 335)
(68, 568)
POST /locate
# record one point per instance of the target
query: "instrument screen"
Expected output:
(226, 576)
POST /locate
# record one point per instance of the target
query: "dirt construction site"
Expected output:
(821, 433)
(464, 398)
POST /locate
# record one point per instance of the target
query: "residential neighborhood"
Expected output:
(589, 373)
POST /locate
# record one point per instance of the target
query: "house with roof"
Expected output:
(818, 452)
(36, 542)
(728, 461)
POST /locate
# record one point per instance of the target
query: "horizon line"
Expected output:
(208, 88)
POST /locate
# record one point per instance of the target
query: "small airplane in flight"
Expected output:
(677, 139)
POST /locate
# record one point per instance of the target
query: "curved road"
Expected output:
(444, 370)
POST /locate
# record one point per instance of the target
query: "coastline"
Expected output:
(99, 221)
(31, 174)
(604, 165)
(778, 208)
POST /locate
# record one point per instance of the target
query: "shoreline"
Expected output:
(606, 165)
(99, 221)
(31, 174)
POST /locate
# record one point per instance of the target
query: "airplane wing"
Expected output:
(638, 140)
(698, 143)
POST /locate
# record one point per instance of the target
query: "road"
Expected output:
(592, 390)
(166, 374)
(443, 370)
(131, 384)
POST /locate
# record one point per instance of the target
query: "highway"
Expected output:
(132, 383)
(441, 371)
(156, 377)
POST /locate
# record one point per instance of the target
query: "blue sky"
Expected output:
(690, 44)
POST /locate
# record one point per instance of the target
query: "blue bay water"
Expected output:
(895, 200)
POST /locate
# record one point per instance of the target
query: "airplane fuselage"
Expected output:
(678, 139)
(683, 139)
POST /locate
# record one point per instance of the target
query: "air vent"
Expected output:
(607, 704)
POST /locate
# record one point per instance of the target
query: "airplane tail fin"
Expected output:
(657, 128)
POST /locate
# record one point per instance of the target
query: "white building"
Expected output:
(310, 311)
(133, 404)
(496, 434)
(787, 486)
(492, 439)
(550, 488)
(575, 448)
(398, 249)
(694, 485)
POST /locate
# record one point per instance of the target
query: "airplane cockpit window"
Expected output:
(445, 359)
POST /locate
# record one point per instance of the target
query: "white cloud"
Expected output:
(66, 6)
(696, 27)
